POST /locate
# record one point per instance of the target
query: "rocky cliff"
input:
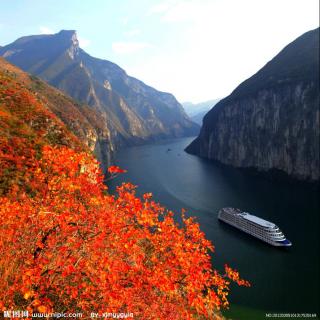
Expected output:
(128, 110)
(271, 121)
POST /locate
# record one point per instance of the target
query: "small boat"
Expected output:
(257, 227)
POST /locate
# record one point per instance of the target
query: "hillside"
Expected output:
(80, 119)
(27, 123)
(270, 121)
(66, 245)
(130, 110)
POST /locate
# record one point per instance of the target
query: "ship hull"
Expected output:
(284, 243)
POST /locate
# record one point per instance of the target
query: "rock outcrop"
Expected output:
(271, 121)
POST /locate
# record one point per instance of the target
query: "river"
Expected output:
(283, 280)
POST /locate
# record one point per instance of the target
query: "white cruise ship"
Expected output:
(257, 227)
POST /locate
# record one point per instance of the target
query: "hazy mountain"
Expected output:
(196, 111)
(271, 120)
(130, 111)
(195, 108)
(198, 118)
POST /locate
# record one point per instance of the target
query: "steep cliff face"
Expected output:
(271, 121)
(131, 111)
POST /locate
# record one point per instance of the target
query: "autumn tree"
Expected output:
(69, 245)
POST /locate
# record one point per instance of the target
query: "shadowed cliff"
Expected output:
(271, 120)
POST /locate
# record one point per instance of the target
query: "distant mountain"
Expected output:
(271, 120)
(195, 108)
(198, 118)
(130, 111)
(196, 111)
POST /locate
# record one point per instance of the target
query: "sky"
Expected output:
(195, 49)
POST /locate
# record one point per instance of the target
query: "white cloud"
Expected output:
(222, 43)
(124, 20)
(180, 10)
(122, 47)
(187, 11)
(159, 8)
(132, 32)
(83, 42)
(46, 30)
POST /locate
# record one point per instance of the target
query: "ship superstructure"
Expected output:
(257, 227)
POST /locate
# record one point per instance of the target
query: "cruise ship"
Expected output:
(257, 227)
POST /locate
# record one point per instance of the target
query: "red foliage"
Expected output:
(67, 245)
(25, 126)
(115, 170)
(71, 246)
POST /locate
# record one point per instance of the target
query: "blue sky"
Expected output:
(196, 49)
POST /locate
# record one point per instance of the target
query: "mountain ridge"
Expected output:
(132, 112)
